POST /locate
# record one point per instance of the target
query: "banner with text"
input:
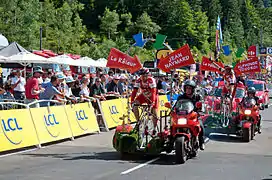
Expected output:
(177, 59)
(120, 60)
(82, 118)
(51, 123)
(249, 66)
(207, 65)
(17, 130)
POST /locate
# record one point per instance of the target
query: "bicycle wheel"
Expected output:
(225, 116)
(147, 125)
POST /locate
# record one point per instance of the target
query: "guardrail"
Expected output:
(29, 127)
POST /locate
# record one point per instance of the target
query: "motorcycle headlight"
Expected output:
(182, 121)
(247, 112)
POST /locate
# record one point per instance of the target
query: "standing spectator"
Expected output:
(68, 91)
(18, 86)
(76, 88)
(85, 91)
(110, 73)
(122, 87)
(112, 87)
(97, 90)
(50, 91)
(48, 77)
(103, 81)
(32, 89)
(61, 84)
(132, 84)
(1, 80)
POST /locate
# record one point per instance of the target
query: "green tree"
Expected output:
(213, 10)
(145, 25)
(109, 22)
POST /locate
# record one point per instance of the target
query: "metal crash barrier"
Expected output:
(22, 125)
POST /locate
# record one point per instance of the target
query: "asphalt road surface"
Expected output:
(93, 158)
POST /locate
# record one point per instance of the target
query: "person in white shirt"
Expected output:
(18, 85)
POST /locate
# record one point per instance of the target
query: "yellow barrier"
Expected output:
(51, 123)
(113, 110)
(82, 119)
(162, 100)
(17, 130)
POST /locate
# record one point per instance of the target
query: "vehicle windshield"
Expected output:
(249, 102)
(269, 86)
(184, 106)
(240, 93)
(218, 92)
(258, 87)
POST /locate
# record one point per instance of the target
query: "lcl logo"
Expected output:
(113, 110)
(11, 125)
(81, 115)
(50, 122)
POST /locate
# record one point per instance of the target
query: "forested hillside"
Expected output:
(92, 27)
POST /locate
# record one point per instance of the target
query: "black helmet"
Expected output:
(251, 90)
(143, 71)
(189, 83)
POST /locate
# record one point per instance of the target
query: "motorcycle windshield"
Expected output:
(249, 102)
(184, 107)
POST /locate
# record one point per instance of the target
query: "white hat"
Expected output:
(123, 76)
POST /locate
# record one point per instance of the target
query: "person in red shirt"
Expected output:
(32, 89)
(148, 95)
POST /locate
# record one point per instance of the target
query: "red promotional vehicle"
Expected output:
(185, 130)
(248, 119)
(214, 100)
(261, 91)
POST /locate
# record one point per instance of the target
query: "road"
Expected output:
(93, 158)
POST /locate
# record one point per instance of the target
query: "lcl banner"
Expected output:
(250, 66)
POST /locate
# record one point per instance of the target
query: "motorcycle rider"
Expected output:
(148, 95)
(251, 93)
(189, 93)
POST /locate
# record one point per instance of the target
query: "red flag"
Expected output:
(120, 60)
(249, 66)
(252, 52)
(206, 65)
(179, 58)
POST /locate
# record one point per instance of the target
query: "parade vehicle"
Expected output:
(261, 91)
(214, 101)
(247, 120)
(181, 137)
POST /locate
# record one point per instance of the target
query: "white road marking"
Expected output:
(139, 166)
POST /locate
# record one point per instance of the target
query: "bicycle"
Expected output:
(144, 127)
(225, 111)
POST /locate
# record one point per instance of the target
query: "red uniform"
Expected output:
(148, 93)
(32, 83)
(229, 80)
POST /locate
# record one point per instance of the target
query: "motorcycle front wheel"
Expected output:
(181, 155)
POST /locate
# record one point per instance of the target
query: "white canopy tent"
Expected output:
(102, 62)
(28, 58)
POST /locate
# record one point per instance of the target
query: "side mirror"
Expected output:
(199, 105)
(237, 100)
(167, 105)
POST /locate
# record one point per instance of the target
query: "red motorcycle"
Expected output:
(184, 130)
(248, 118)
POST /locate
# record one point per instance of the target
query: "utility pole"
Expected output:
(41, 38)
